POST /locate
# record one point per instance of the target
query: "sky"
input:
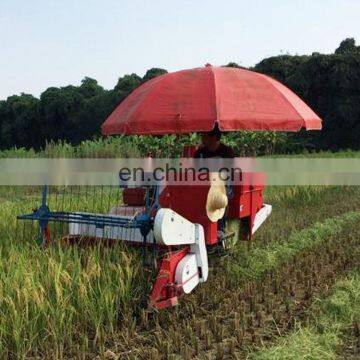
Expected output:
(58, 42)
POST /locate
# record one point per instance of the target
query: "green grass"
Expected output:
(166, 146)
(109, 147)
(221, 315)
(323, 154)
(56, 300)
(260, 260)
(297, 207)
(79, 300)
(331, 317)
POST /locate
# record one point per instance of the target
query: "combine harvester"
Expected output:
(180, 223)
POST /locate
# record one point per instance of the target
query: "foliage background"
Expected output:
(330, 84)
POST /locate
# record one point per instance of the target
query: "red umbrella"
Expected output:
(194, 100)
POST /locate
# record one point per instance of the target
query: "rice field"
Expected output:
(76, 302)
(333, 327)
(294, 287)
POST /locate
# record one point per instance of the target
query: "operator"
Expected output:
(212, 147)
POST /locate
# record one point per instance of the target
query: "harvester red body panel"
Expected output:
(247, 200)
(165, 291)
(245, 203)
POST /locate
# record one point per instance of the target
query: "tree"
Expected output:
(19, 121)
(329, 84)
(153, 72)
(60, 109)
(94, 113)
(234, 65)
(347, 46)
(127, 83)
(280, 67)
(89, 88)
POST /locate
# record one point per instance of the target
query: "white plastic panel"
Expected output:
(171, 228)
(199, 249)
(261, 216)
(187, 274)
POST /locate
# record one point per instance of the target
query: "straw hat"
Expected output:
(217, 200)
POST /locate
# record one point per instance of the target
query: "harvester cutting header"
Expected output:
(179, 224)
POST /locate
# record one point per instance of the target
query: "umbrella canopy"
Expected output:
(196, 99)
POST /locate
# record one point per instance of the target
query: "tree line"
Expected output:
(329, 83)
(70, 113)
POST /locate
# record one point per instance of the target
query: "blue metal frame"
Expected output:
(44, 215)
(143, 221)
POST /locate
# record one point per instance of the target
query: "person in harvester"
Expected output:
(212, 147)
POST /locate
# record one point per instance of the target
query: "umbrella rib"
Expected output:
(215, 97)
(269, 80)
